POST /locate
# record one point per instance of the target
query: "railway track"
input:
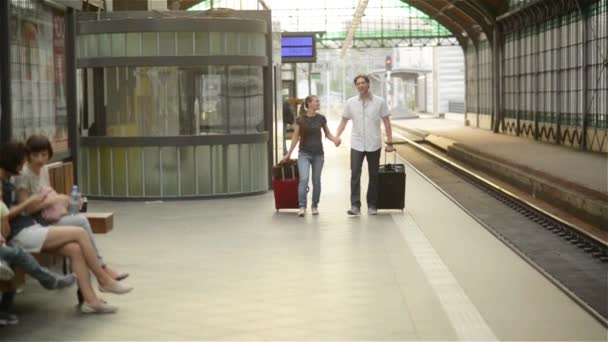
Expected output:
(571, 235)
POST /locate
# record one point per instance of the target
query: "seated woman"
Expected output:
(34, 179)
(69, 241)
(11, 257)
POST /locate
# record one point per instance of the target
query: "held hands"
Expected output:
(337, 141)
(286, 158)
(389, 147)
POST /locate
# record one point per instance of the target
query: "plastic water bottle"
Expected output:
(75, 201)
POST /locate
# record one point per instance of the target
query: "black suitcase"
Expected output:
(391, 185)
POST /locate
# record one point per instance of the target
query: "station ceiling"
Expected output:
(462, 18)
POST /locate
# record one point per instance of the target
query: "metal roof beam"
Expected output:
(453, 26)
(359, 12)
(451, 5)
(486, 23)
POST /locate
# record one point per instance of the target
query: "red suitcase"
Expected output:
(285, 193)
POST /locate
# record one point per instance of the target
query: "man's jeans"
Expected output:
(373, 163)
(24, 261)
(305, 163)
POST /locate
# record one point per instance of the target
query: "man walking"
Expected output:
(366, 110)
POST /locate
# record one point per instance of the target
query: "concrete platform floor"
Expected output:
(234, 269)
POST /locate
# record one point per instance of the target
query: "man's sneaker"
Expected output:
(315, 211)
(372, 211)
(7, 318)
(354, 211)
(6, 272)
(302, 212)
(65, 281)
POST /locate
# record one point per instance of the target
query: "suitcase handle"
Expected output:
(394, 156)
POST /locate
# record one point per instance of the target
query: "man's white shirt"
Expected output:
(366, 115)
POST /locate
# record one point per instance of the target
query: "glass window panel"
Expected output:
(104, 45)
(255, 100)
(217, 43)
(202, 43)
(120, 171)
(187, 171)
(112, 96)
(232, 43)
(94, 169)
(149, 44)
(189, 104)
(245, 168)
(259, 162)
(105, 169)
(258, 44)
(151, 171)
(118, 44)
(135, 175)
(185, 43)
(237, 95)
(166, 43)
(211, 92)
(219, 170)
(92, 45)
(233, 169)
(117, 99)
(203, 170)
(133, 44)
(81, 45)
(83, 170)
(244, 40)
(169, 167)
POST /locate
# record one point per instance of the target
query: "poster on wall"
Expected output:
(38, 74)
(60, 138)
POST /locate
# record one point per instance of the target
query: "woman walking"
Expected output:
(307, 131)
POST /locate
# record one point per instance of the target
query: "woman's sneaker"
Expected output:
(6, 272)
(302, 212)
(116, 288)
(315, 211)
(101, 308)
(65, 281)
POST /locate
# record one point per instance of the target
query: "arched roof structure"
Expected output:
(464, 18)
(447, 22)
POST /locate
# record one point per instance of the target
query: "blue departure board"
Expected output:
(298, 48)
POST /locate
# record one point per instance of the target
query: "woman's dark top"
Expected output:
(21, 221)
(311, 138)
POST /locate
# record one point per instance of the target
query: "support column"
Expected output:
(5, 72)
(535, 82)
(477, 97)
(558, 103)
(70, 86)
(585, 86)
(309, 79)
(268, 95)
(497, 79)
(466, 84)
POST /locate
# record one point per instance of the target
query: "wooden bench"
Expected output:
(61, 177)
